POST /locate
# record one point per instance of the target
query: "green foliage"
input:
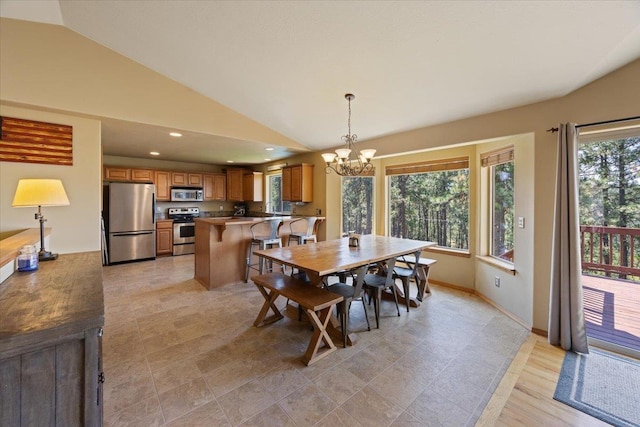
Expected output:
(503, 181)
(431, 206)
(357, 204)
(609, 192)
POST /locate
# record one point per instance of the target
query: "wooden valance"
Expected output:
(428, 166)
(29, 141)
(497, 157)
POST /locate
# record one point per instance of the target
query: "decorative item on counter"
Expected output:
(27, 258)
(354, 239)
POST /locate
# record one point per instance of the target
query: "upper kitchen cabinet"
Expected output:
(162, 179)
(234, 184)
(185, 179)
(214, 186)
(252, 186)
(297, 183)
(142, 175)
(112, 173)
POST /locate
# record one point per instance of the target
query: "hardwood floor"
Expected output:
(524, 397)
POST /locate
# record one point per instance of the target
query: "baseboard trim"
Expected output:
(449, 285)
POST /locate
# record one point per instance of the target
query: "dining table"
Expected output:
(329, 257)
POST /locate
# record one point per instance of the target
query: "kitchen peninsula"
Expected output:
(221, 248)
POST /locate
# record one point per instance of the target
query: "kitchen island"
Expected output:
(221, 248)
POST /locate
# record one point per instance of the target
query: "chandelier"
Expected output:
(345, 161)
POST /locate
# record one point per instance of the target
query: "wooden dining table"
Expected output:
(325, 258)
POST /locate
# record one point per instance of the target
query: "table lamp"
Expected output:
(40, 192)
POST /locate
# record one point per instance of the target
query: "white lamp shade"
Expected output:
(40, 192)
(368, 153)
(329, 157)
(343, 153)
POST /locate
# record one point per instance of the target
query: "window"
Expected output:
(275, 204)
(501, 215)
(430, 201)
(357, 204)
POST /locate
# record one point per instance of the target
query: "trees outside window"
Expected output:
(275, 204)
(609, 191)
(357, 204)
(502, 211)
(432, 204)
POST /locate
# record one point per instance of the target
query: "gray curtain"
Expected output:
(566, 312)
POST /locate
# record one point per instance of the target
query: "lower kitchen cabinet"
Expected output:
(164, 237)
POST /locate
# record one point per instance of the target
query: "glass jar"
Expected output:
(27, 258)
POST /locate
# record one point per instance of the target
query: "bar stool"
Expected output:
(262, 242)
(304, 236)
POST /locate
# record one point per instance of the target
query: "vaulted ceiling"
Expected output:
(411, 64)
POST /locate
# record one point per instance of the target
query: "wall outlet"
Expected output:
(221, 207)
(497, 282)
(318, 211)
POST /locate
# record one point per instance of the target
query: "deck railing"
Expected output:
(611, 250)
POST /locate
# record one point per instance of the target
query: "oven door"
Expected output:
(183, 233)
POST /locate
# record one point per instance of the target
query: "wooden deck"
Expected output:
(612, 310)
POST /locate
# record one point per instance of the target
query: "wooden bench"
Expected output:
(423, 273)
(316, 302)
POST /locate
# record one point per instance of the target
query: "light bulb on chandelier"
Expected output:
(344, 161)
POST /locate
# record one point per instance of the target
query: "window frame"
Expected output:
(432, 166)
(269, 201)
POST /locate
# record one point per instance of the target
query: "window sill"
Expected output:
(448, 251)
(501, 265)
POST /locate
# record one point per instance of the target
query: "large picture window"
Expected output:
(430, 201)
(357, 204)
(275, 204)
(502, 209)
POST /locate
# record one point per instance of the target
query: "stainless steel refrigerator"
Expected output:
(129, 215)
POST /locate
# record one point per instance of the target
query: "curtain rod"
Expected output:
(552, 130)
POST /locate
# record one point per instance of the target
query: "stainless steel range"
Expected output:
(184, 229)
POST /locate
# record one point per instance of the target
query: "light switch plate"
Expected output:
(520, 222)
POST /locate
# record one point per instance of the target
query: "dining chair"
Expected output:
(269, 240)
(374, 284)
(349, 293)
(302, 237)
(406, 274)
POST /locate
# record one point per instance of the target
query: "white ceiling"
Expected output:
(410, 64)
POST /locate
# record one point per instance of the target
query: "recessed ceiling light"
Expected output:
(176, 134)
(154, 153)
(269, 148)
(229, 161)
(267, 160)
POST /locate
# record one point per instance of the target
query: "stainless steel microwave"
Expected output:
(186, 194)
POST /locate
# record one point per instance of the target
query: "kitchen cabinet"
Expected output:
(141, 175)
(214, 186)
(112, 173)
(162, 179)
(252, 184)
(186, 179)
(234, 184)
(164, 237)
(297, 183)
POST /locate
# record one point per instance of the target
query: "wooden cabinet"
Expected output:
(141, 175)
(117, 174)
(164, 237)
(234, 184)
(297, 183)
(51, 344)
(252, 184)
(214, 186)
(186, 179)
(162, 179)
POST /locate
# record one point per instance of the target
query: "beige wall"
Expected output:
(75, 228)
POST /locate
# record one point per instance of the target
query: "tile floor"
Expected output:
(178, 355)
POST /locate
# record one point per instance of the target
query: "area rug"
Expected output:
(603, 385)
